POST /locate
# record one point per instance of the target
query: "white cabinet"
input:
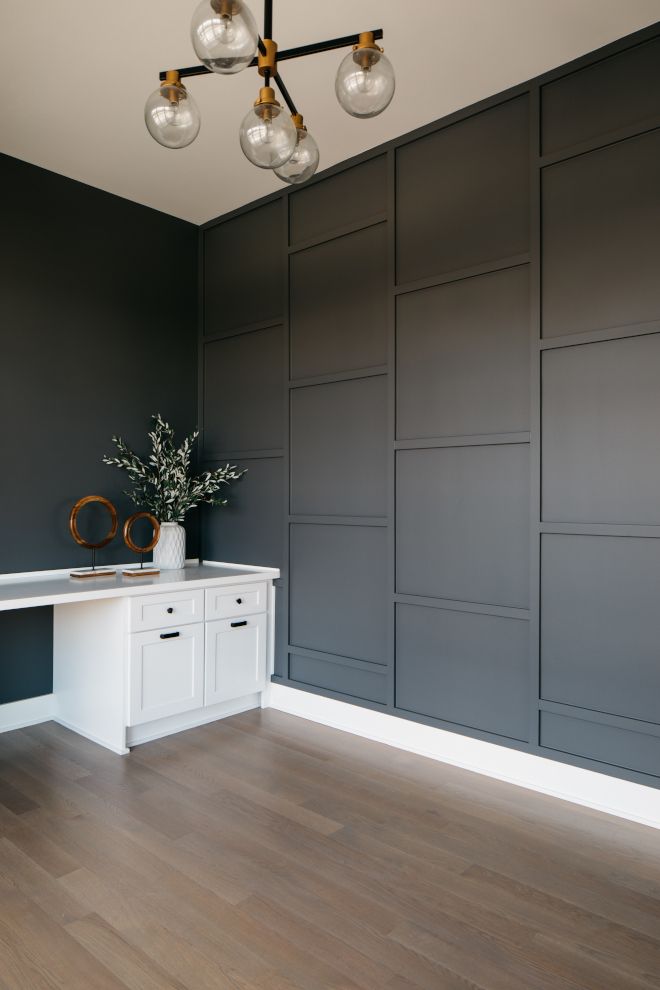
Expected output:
(137, 661)
(235, 657)
(245, 599)
(166, 672)
(167, 611)
(192, 650)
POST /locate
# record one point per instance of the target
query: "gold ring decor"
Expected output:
(73, 521)
(128, 526)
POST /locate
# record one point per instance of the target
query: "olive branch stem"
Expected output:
(163, 484)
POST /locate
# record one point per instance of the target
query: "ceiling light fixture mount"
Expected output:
(225, 38)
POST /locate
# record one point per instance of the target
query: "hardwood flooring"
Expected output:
(264, 852)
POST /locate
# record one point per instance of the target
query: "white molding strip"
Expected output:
(32, 711)
(611, 795)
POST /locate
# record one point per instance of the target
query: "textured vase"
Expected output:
(170, 551)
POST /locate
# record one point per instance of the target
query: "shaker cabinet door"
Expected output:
(235, 658)
(166, 672)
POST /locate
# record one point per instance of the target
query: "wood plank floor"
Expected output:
(268, 853)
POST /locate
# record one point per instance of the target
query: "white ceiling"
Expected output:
(76, 74)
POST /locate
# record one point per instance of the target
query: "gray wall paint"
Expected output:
(473, 377)
(430, 568)
(95, 336)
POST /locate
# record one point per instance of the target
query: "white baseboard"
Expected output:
(18, 714)
(622, 798)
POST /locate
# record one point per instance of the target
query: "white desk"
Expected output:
(139, 658)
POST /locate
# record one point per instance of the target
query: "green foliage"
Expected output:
(163, 485)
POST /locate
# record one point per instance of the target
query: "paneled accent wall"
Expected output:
(440, 364)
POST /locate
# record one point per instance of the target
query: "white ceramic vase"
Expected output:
(170, 551)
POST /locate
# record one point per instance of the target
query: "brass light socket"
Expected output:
(297, 119)
(267, 62)
(366, 40)
(265, 103)
(266, 97)
(226, 8)
(171, 87)
(364, 53)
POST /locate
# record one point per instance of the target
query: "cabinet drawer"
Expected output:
(166, 672)
(235, 658)
(167, 611)
(243, 599)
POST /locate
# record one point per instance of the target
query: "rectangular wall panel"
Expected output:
(339, 590)
(606, 743)
(619, 91)
(601, 441)
(463, 357)
(463, 524)
(356, 195)
(600, 244)
(249, 529)
(338, 308)
(600, 624)
(244, 392)
(465, 668)
(338, 448)
(462, 193)
(243, 275)
(357, 682)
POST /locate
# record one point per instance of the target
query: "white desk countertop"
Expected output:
(32, 589)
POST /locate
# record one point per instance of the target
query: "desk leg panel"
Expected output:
(89, 670)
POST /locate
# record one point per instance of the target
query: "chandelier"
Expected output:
(226, 40)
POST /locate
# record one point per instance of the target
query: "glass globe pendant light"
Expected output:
(224, 35)
(171, 114)
(268, 136)
(365, 79)
(305, 159)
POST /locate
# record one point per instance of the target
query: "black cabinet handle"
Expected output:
(234, 625)
(169, 635)
(239, 601)
(170, 610)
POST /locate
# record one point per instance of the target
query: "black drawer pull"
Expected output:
(239, 601)
(234, 625)
(169, 635)
(170, 610)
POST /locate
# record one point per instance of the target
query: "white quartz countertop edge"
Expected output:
(31, 589)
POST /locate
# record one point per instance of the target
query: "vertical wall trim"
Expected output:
(201, 366)
(535, 411)
(283, 591)
(391, 426)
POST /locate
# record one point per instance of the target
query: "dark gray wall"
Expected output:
(453, 427)
(97, 331)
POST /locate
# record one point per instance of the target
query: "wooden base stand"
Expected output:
(141, 572)
(90, 572)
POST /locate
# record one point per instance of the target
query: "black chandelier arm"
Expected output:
(319, 46)
(268, 18)
(285, 94)
(325, 46)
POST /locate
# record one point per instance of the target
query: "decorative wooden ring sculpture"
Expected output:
(128, 526)
(73, 522)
